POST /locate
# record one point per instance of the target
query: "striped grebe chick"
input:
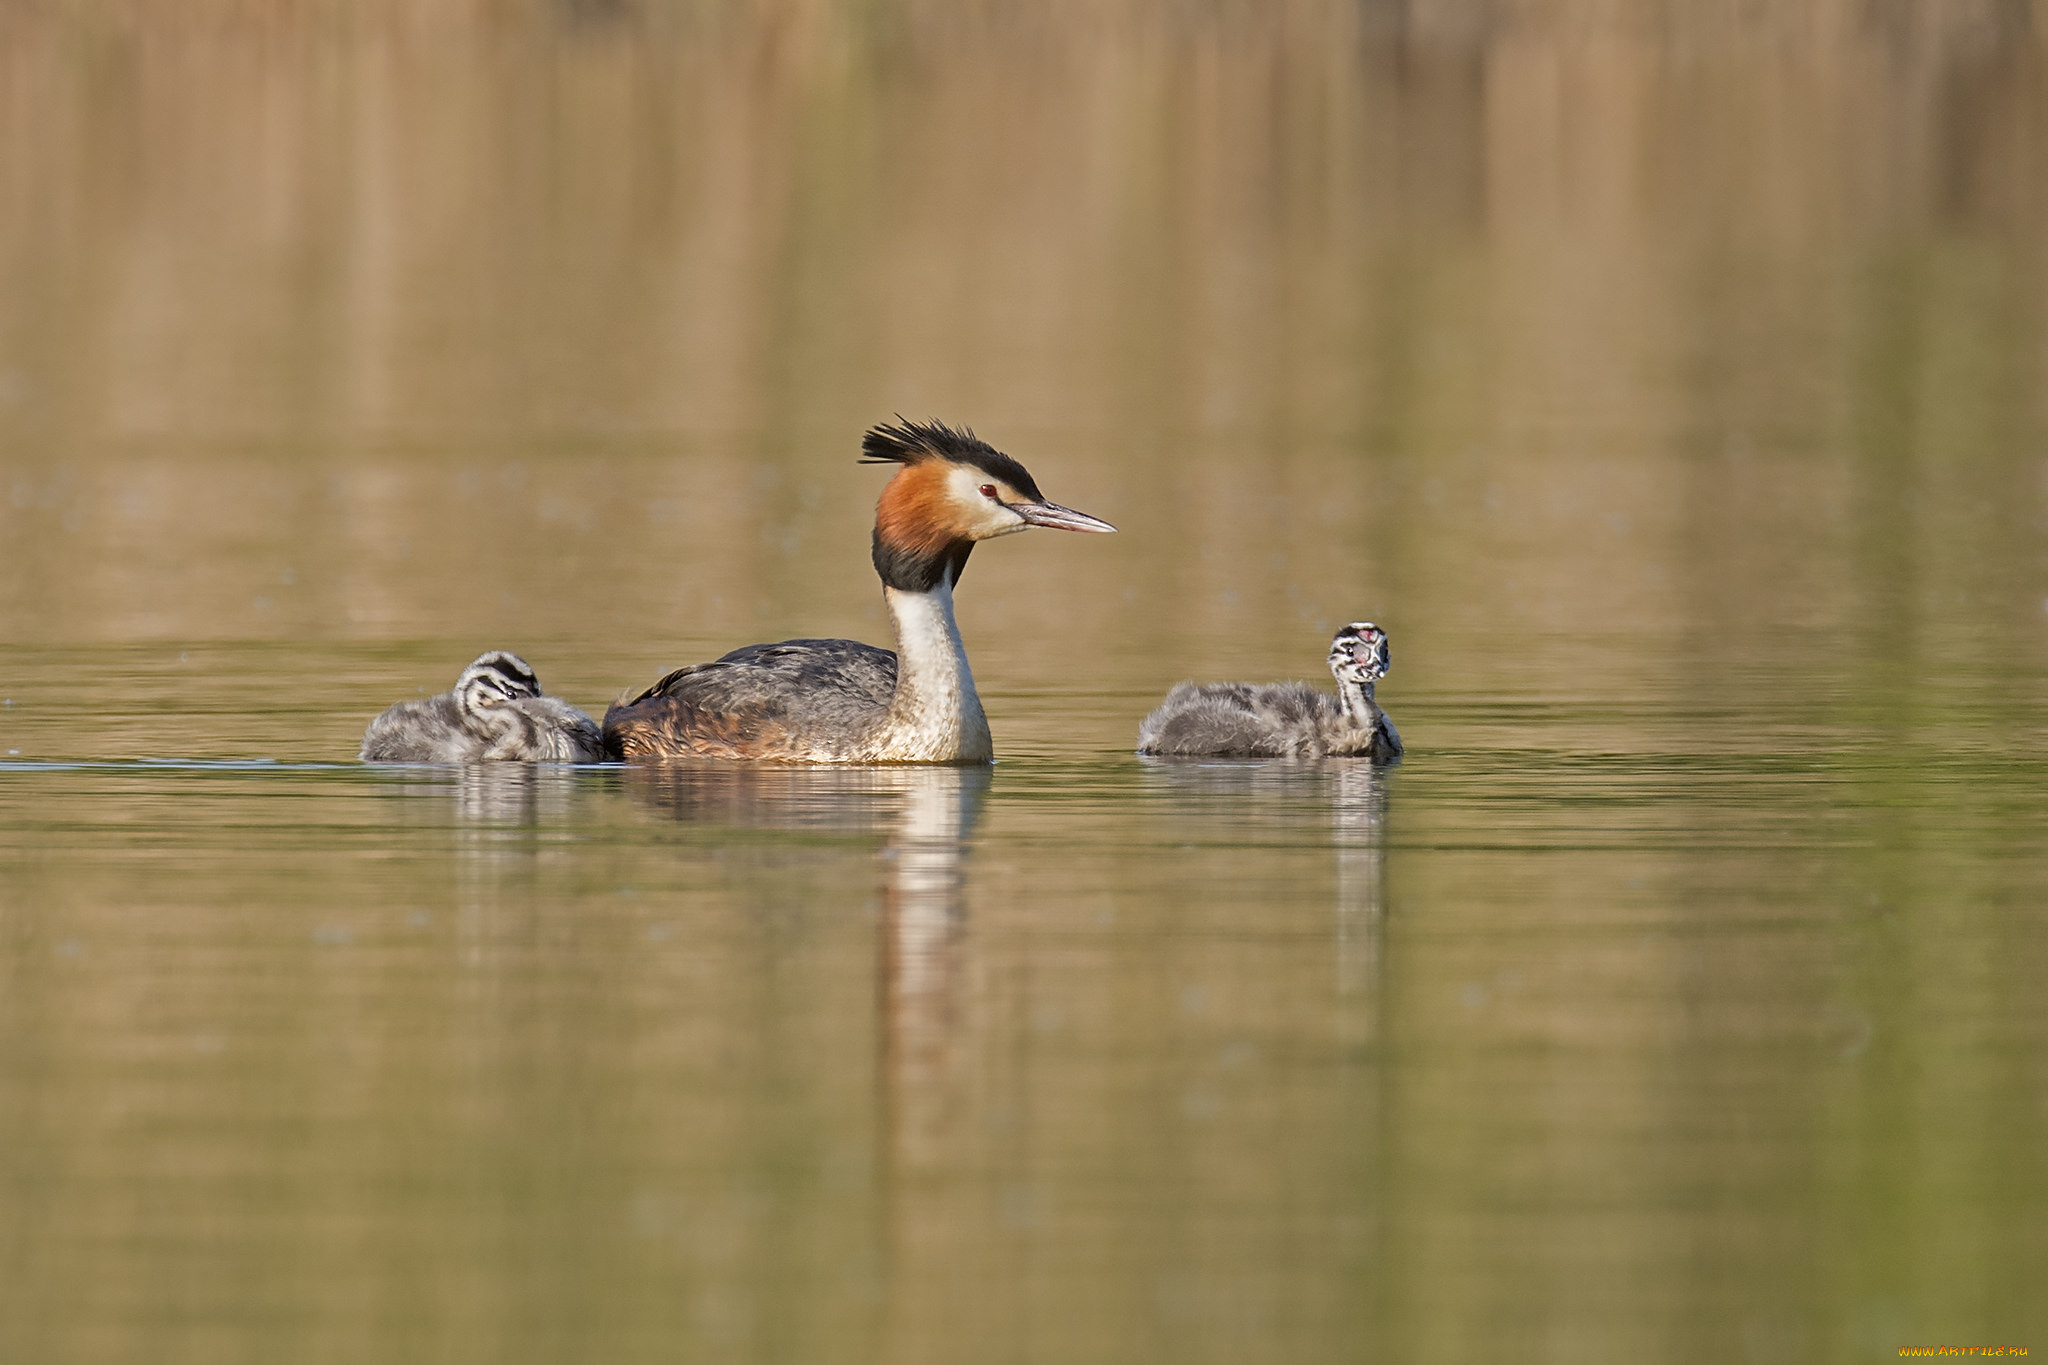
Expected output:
(839, 701)
(1283, 720)
(495, 712)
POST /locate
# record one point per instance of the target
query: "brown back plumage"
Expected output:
(759, 701)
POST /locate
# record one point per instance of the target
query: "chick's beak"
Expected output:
(1058, 518)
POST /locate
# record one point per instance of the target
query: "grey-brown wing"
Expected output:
(782, 673)
(551, 731)
(1212, 719)
(425, 731)
(781, 700)
(1238, 720)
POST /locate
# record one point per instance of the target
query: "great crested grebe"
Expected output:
(838, 701)
(1283, 720)
(495, 712)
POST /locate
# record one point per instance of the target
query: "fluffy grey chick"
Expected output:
(1283, 720)
(495, 712)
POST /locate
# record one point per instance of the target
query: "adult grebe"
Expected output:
(1283, 720)
(496, 711)
(838, 701)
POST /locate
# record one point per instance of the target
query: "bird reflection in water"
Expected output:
(506, 820)
(512, 794)
(1358, 827)
(1346, 796)
(926, 814)
(923, 948)
(491, 800)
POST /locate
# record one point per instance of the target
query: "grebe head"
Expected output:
(1359, 653)
(493, 680)
(953, 489)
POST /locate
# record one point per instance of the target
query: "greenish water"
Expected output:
(1668, 1052)
(1671, 391)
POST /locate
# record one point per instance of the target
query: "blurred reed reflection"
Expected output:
(1511, 318)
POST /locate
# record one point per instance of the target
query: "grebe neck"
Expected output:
(1359, 707)
(935, 715)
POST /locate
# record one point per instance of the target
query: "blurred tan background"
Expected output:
(1599, 338)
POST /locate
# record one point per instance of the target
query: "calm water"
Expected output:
(1672, 391)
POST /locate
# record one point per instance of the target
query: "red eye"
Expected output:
(988, 490)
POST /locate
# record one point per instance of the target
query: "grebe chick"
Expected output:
(1283, 720)
(839, 701)
(496, 711)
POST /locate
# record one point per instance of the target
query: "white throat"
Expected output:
(935, 715)
(1356, 698)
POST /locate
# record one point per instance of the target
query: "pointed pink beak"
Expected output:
(1058, 518)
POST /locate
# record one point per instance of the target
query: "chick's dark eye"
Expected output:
(988, 490)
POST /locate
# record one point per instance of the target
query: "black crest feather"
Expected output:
(908, 443)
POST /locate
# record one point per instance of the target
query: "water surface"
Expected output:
(1670, 391)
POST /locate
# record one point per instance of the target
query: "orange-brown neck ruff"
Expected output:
(915, 546)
